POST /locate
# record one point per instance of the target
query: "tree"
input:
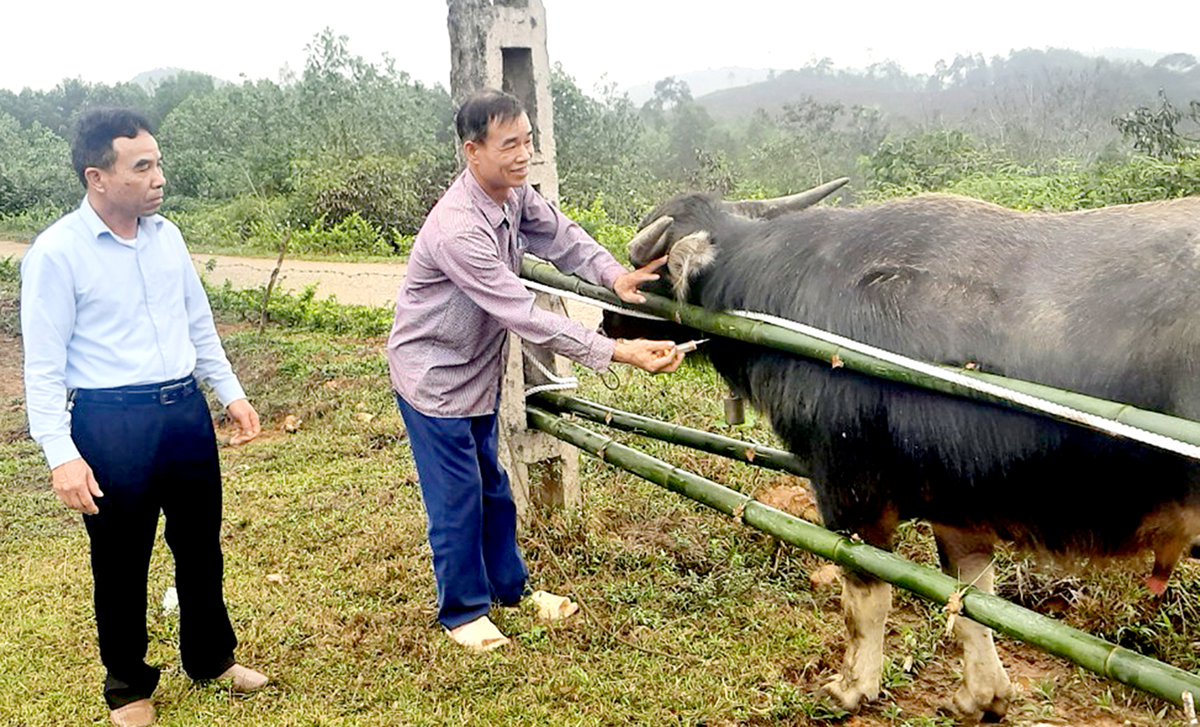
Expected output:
(35, 169)
(600, 146)
(1157, 132)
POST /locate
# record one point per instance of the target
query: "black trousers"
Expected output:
(149, 454)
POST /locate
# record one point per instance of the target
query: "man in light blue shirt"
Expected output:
(117, 329)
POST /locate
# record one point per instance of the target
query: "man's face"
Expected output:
(133, 185)
(501, 161)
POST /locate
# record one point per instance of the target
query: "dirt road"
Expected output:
(357, 283)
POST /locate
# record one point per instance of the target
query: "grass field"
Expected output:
(688, 618)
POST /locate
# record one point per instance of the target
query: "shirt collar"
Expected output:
(97, 227)
(493, 212)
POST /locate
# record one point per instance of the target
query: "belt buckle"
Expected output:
(172, 394)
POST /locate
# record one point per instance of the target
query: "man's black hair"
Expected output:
(482, 108)
(94, 134)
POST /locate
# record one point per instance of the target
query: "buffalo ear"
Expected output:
(689, 255)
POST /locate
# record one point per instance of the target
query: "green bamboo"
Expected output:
(766, 334)
(1090, 652)
(769, 457)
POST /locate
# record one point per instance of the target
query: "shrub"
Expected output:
(596, 221)
(351, 235)
(302, 310)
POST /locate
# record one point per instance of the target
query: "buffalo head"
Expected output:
(688, 229)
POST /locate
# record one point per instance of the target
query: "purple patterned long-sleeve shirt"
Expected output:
(462, 296)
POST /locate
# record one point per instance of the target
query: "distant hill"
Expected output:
(704, 82)
(972, 87)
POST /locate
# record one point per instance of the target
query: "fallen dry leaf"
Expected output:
(277, 578)
(825, 576)
(364, 416)
(836, 362)
(953, 608)
(290, 423)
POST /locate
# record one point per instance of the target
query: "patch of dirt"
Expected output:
(12, 381)
(791, 495)
(674, 533)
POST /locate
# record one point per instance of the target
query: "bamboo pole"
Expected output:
(766, 334)
(769, 457)
(1090, 652)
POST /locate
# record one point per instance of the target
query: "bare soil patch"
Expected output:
(12, 382)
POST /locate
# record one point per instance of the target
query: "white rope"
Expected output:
(1029, 401)
(1026, 400)
(588, 301)
(557, 383)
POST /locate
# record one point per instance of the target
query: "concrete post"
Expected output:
(502, 44)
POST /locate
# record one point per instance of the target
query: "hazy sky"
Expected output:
(629, 41)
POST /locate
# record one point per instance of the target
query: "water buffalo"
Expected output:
(1105, 302)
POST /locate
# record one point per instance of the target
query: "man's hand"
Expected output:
(657, 357)
(246, 419)
(626, 285)
(76, 486)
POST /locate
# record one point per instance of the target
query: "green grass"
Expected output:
(688, 618)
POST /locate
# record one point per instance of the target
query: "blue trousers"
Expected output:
(472, 520)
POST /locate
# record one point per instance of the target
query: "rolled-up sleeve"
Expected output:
(47, 321)
(471, 262)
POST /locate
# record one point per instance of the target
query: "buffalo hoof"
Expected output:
(848, 695)
(971, 708)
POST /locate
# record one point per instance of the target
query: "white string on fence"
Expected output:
(1028, 401)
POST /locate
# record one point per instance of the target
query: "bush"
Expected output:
(927, 162)
(301, 310)
(352, 235)
(35, 169)
(30, 221)
(1142, 178)
(247, 222)
(388, 192)
(596, 221)
(1063, 184)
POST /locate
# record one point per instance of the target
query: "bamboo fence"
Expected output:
(1090, 652)
(771, 458)
(772, 336)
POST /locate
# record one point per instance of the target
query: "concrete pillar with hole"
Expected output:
(502, 44)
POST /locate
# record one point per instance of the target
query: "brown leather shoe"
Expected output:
(134, 714)
(242, 679)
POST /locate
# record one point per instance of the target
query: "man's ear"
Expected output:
(94, 177)
(470, 149)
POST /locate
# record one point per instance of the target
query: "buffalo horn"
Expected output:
(791, 203)
(650, 242)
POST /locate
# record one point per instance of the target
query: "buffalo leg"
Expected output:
(986, 690)
(866, 602)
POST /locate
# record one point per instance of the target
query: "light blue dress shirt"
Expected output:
(98, 311)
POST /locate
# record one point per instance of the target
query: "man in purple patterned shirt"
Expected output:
(460, 299)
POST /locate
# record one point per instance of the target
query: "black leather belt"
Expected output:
(166, 393)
